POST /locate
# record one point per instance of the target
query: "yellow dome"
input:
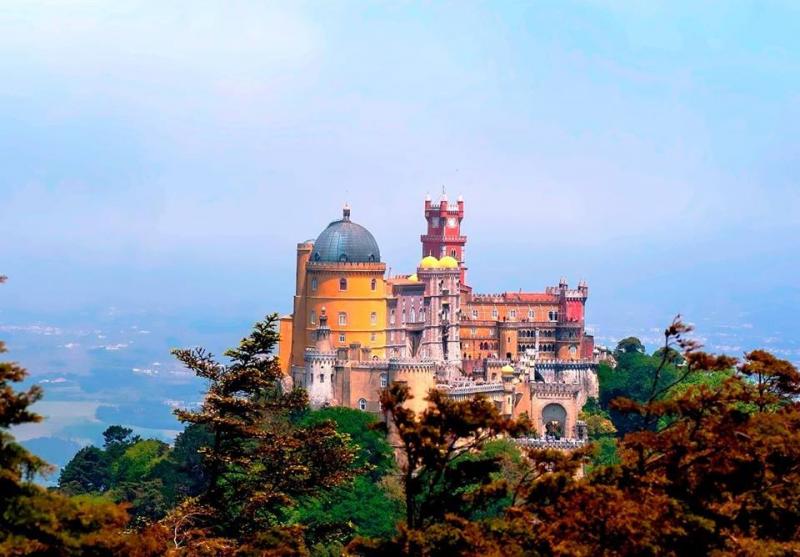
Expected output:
(448, 262)
(506, 369)
(413, 278)
(429, 262)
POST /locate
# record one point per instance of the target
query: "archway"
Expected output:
(554, 418)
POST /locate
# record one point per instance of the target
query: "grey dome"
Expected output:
(346, 241)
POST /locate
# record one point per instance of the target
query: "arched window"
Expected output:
(413, 315)
(403, 317)
(384, 381)
(362, 404)
(342, 283)
(373, 284)
(314, 284)
(313, 317)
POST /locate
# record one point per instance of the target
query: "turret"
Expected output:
(443, 236)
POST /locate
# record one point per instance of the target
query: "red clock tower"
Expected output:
(444, 231)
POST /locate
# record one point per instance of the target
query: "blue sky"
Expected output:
(163, 158)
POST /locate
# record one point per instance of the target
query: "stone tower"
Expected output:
(441, 340)
(319, 366)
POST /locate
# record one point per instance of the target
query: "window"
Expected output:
(512, 313)
(531, 314)
(373, 284)
(342, 318)
(391, 317)
(384, 381)
(362, 404)
(314, 284)
(341, 337)
(453, 253)
(413, 315)
(321, 378)
(373, 336)
(435, 222)
(403, 317)
(473, 331)
(312, 318)
(494, 313)
(474, 313)
(342, 283)
(373, 318)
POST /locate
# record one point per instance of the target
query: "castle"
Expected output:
(354, 330)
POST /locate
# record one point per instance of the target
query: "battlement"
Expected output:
(549, 390)
(570, 294)
(411, 366)
(312, 354)
(367, 266)
(544, 443)
(475, 389)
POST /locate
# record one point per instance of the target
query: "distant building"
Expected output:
(354, 330)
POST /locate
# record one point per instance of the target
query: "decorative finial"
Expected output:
(346, 212)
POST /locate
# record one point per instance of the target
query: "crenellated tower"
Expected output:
(443, 237)
(319, 366)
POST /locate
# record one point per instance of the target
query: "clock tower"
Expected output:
(443, 237)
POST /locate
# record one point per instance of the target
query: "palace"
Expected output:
(354, 330)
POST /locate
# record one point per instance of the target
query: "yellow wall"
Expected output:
(285, 344)
(359, 301)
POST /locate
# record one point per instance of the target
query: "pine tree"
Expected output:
(258, 461)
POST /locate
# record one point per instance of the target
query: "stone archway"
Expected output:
(554, 420)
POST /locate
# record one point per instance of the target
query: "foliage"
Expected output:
(629, 345)
(436, 479)
(87, 472)
(32, 520)
(260, 460)
(374, 453)
(631, 379)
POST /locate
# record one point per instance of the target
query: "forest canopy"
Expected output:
(690, 453)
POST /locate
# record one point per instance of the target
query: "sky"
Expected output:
(159, 161)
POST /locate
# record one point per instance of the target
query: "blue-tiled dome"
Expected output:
(346, 241)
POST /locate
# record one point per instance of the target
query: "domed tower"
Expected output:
(341, 271)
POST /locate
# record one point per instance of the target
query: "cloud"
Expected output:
(113, 347)
(70, 345)
(145, 371)
(45, 330)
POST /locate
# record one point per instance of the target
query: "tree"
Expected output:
(32, 520)
(373, 452)
(436, 478)
(259, 461)
(369, 505)
(629, 345)
(719, 477)
(87, 472)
